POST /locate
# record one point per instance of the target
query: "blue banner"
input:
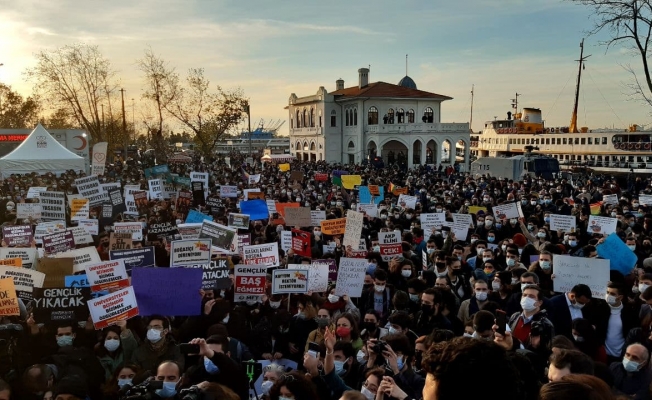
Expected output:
(143, 257)
(365, 196)
(168, 291)
(195, 216)
(159, 172)
(620, 257)
(256, 209)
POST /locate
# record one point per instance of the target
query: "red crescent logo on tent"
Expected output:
(83, 140)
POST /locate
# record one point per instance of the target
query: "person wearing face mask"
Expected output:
(622, 320)
(470, 307)
(118, 346)
(399, 356)
(501, 288)
(216, 365)
(585, 340)
(579, 303)
(158, 346)
(543, 269)
(520, 323)
(122, 378)
(378, 297)
(317, 336)
(337, 305)
(632, 376)
(430, 316)
(483, 230)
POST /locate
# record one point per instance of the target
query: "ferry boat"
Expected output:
(600, 150)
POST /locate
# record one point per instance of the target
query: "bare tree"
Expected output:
(76, 78)
(161, 82)
(630, 23)
(208, 115)
(16, 112)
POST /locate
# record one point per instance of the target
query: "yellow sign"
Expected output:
(79, 208)
(12, 262)
(8, 298)
(333, 226)
(284, 167)
(350, 181)
(475, 209)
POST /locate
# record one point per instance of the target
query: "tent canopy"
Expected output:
(40, 153)
(277, 158)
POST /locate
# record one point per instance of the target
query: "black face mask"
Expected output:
(426, 308)
(457, 272)
(440, 265)
(370, 326)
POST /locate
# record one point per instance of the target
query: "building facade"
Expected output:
(398, 123)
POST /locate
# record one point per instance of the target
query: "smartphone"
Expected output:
(314, 349)
(501, 321)
(187, 348)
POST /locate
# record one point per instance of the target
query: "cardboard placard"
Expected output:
(317, 275)
(506, 211)
(301, 243)
(190, 252)
(89, 187)
(250, 281)
(262, 254)
(602, 225)
(8, 298)
(333, 226)
(564, 223)
(79, 209)
(81, 257)
(27, 254)
(113, 308)
(298, 216)
(350, 277)
(28, 210)
(289, 281)
(53, 206)
(120, 241)
(390, 245)
(222, 237)
(570, 271)
(353, 229)
(17, 235)
(107, 275)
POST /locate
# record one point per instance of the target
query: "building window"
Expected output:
(410, 115)
(305, 118)
(428, 115)
(333, 119)
(355, 116)
(320, 122)
(400, 116)
(298, 120)
(389, 117)
(351, 145)
(372, 116)
(312, 117)
(604, 140)
(346, 118)
(291, 122)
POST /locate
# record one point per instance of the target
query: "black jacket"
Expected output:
(230, 375)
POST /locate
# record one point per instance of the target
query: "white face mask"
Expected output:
(481, 296)
(379, 288)
(266, 386)
(360, 357)
(495, 285)
(406, 273)
(333, 299)
(528, 304)
(611, 300)
(275, 304)
(153, 335)
(642, 287)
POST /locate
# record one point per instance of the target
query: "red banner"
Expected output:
(301, 243)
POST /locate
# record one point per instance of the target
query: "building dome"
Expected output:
(407, 82)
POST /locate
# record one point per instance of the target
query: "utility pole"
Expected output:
(249, 123)
(515, 103)
(102, 130)
(471, 119)
(133, 118)
(124, 124)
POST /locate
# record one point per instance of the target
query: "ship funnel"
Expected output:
(509, 115)
(532, 115)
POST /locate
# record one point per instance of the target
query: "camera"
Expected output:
(192, 393)
(379, 347)
(143, 391)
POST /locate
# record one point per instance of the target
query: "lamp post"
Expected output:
(248, 109)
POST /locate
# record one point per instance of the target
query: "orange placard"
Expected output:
(12, 262)
(255, 195)
(8, 298)
(373, 190)
(333, 226)
(398, 191)
(280, 207)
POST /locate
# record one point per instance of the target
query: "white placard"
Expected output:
(155, 188)
(271, 206)
(53, 206)
(431, 222)
(286, 240)
(135, 228)
(564, 223)
(190, 252)
(610, 199)
(461, 230)
(27, 254)
(571, 271)
(80, 234)
(228, 191)
(28, 210)
(89, 188)
(317, 276)
(350, 276)
(261, 254)
(289, 281)
(81, 257)
(602, 225)
(35, 192)
(353, 230)
(113, 307)
(505, 211)
(645, 199)
(107, 275)
(466, 219)
(129, 199)
(316, 216)
(406, 201)
(92, 226)
(370, 209)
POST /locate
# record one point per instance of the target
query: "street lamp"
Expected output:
(248, 110)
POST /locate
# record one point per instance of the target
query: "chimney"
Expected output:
(363, 77)
(339, 84)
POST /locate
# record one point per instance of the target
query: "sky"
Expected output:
(272, 49)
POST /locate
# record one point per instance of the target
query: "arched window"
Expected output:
(372, 118)
(320, 121)
(313, 147)
(333, 119)
(428, 115)
(305, 118)
(400, 116)
(305, 146)
(410, 115)
(312, 117)
(355, 116)
(291, 122)
(298, 146)
(389, 117)
(351, 145)
(346, 121)
(298, 120)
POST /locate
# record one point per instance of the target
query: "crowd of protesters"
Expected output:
(428, 324)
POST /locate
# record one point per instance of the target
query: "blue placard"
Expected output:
(168, 291)
(256, 209)
(195, 216)
(76, 281)
(143, 257)
(159, 172)
(365, 196)
(620, 257)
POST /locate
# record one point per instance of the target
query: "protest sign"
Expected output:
(25, 280)
(130, 202)
(255, 195)
(155, 188)
(366, 197)
(256, 209)
(135, 228)
(53, 206)
(99, 158)
(317, 275)
(239, 221)
(250, 282)
(261, 254)
(353, 229)
(189, 252)
(160, 230)
(58, 242)
(370, 210)
(228, 191)
(77, 281)
(281, 207)
(189, 231)
(286, 240)
(610, 199)
(621, 258)
(92, 226)
(390, 245)
(113, 308)
(17, 235)
(158, 172)
(301, 243)
(570, 271)
(431, 222)
(12, 262)
(143, 257)
(297, 216)
(195, 216)
(460, 230)
(200, 177)
(215, 274)
(108, 187)
(81, 257)
(27, 254)
(115, 197)
(28, 210)
(333, 226)
(316, 216)
(474, 209)
(406, 201)
(55, 270)
(351, 181)
(645, 199)
(80, 235)
(167, 291)
(296, 176)
(198, 194)
(8, 298)
(79, 209)
(602, 225)
(61, 304)
(214, 203)
(222, 237)
(271, 206)
(89, 188)
(564, 223)
(34, 192)
(505, 211)
(48, 228)
(465, 219)
(107, 275)
(289, 281)
(350, 277)
(120, 241)
(374, 190)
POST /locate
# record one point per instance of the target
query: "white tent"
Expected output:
(40, 153)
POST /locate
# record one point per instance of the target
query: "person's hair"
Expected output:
(169, 362)
(223, 341)
(576, 386)
(36, 382)
(618, 286)
(309, 308)
(451, 363)
(483, 320)
(480, 281)
(532, 275)
(100, 350)
(399, 342)
(582, 290)
(111, 387)
(352, 395)
(576, 361)
(435, 294)
(380, 274)
(378, 372)
(297, 384)
(217, 391)
(345, 347)
(165, 320)
(400, 318)
(355, 333)
(440, 335)
(373, 312)
(417, 284)
(535, 287)
(562, 342)
(273, 367)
